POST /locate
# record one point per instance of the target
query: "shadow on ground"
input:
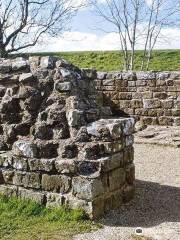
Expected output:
(153, 205)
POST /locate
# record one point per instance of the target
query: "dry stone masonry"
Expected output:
(153, 98)
(59, 144)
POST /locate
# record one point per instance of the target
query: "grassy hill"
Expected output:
(162, 60)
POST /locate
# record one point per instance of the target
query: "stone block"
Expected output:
(146, 75)
(25, 148)
(130, 173)
(6, 159)
(42, 131)
(8, 190)
(149, 120)
(160, 95)
(7, 176)
(117, 178)
(167, 104)
(177, 121)
(90, 169)
(27, 179)
(31, 195)
(176, 112)
(87, 189)
(101, 75)
(19, 64)
(47, 165)
(136, 103)
(74, 117)
(125, 96)
(63, 63)
(151, 103)
(27, 79)
(108, 82)
(128, 154)
(129, 76)
(166, 121)
(47, 62)
(63, 86)
(65, 166)
(5, 66)
(20, 163)
(56, 183)
(47, 149)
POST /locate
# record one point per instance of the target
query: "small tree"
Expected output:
(23, 23)
(137, 21)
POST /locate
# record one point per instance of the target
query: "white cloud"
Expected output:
(79, 41)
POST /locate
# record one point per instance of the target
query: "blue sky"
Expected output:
(85, 35)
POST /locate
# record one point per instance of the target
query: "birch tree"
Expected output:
(137, 22)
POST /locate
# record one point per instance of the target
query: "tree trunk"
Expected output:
(3, 52)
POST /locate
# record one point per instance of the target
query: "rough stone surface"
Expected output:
(60, 144)
(149, 97)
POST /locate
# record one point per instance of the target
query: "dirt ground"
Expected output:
(156, 207)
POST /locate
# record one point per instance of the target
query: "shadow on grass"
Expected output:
(153, 204)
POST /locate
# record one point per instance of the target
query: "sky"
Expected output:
(86, 35)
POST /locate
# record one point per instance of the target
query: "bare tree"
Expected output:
(138, 21)
(23, 23)
(161, 14)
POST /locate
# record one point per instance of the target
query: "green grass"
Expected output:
(23, 219)
(162, 60)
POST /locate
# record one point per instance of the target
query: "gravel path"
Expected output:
(156, 207)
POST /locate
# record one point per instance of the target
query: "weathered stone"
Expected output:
(25, 148)
(128, 154)
(56, 183)
(47, 62)
(5, 66)
(47, 149)
(27, 79)
(55, 199)
(65, 166)
(87, 189)
(6, 159)
(117, 179)
(50, 115)
(63, 63)
(90, 169)
(27, 180)
(7, 176)
(20, 64)
(130, 173)
(63, 86)
(89, 73)
(168, 121)
(101, 75)
(43, 131)
(151, 103)
(20, 163)
(74, 117)
(46, 165)
(160, 95)
(69, 150)
(32, 195)
(108, 82)
(112, 162)
(8, 190)
(167, 104)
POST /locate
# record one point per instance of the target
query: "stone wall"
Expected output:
(58, 143)
(150, 97)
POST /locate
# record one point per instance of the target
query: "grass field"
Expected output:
(22, 220)
(162, 60)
